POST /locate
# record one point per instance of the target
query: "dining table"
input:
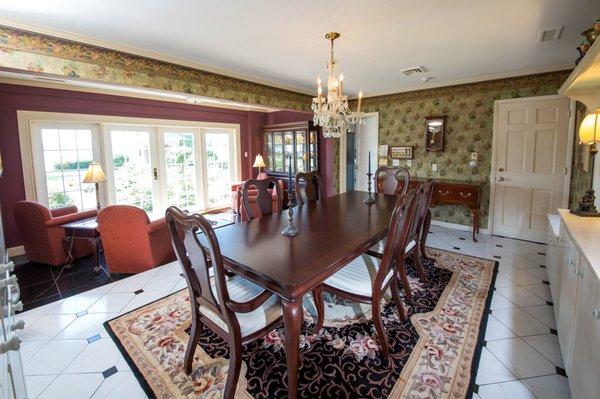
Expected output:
(332, 232)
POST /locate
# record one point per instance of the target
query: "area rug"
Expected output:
(434, 353)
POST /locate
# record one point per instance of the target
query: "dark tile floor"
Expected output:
(41, 284)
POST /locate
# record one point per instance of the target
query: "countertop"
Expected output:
(585, 232)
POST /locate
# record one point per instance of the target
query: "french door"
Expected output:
(155, 167)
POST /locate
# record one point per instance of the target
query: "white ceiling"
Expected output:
(282, 43)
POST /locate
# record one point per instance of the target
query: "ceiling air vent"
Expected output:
(414, 70)
(550, 35)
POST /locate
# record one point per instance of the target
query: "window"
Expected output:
(65, 152)
(148, 165)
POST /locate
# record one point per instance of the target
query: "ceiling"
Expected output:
(282, 42)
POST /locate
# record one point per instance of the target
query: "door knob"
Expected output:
(501, 170)
(500, 178)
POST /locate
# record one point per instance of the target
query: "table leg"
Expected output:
(96, 245)
(475, 213)
(67, 244)
(292, 320)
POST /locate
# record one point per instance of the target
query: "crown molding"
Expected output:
(477, 79)
(92, 41)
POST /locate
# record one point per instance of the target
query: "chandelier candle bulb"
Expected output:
(360, 95)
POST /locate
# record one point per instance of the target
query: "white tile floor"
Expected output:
(67, 353)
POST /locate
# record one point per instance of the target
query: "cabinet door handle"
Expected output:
(444, 193)
(596, 314)
(467, 195)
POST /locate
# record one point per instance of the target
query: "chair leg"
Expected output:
(404, 278)
(417, 262)
(424, 234)
(379, 327)
(317, 294)
(195, 333)
(235, 365)
(396, 297)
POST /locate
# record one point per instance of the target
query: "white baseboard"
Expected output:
(16, 251)
(457, 226)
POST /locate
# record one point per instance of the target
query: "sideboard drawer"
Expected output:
(443, 193)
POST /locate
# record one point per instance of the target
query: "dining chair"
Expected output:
(366, 278)
(263, 200)
(309, 187)
(423, 219)
(233, 307)
(390, 182)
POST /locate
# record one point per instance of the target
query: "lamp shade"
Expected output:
(259, 162)
(589, 131)
(94, 174)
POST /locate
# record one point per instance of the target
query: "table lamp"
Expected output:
(95, 175)
(589, 133)
(259, 163)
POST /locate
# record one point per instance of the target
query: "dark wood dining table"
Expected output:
(332, 233)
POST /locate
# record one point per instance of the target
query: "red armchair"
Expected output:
(42, 236)
(236, 199)
(131, 242)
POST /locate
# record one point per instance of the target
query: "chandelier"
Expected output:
(331, 112)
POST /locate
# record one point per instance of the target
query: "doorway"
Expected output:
(532, 149)
(354, 160)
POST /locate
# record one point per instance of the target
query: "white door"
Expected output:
(530, 165)
(366, 139)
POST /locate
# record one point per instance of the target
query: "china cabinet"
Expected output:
(299, 139)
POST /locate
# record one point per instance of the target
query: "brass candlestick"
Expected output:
(290, 230)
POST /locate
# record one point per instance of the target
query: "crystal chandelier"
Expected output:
(331, 112)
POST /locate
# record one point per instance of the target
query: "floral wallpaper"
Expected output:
(34, 52)
(580, 175)
(469, 125)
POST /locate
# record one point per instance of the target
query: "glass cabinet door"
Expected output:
(301, 154)
(312, 147)
(288, 139)
(278, 152)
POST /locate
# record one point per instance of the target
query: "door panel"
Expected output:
(531, 143)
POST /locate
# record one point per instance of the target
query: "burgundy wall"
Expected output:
(15, 97)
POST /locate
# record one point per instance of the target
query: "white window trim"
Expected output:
(27, 119)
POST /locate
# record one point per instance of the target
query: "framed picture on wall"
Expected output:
(395, 162)
(381, 161)
(402, 152)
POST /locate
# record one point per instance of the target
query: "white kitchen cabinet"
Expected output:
(585, 350)
(573, 263)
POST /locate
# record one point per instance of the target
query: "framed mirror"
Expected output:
(434, 133)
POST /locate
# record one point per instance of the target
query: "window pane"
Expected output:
(268, 151)
(301, 155)
(132, 168)
(218, 168)
(181, 169)
(65, 164)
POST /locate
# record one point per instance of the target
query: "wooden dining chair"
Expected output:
(309, 187)
(415, 235)
(233, 307)
(390, 184)
(263, 201)
(366, 278)
(423, 218)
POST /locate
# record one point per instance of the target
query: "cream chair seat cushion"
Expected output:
(357, 277)
(243, 290)
(381, 245)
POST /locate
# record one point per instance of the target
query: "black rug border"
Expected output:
(482, 328)
(474, 364)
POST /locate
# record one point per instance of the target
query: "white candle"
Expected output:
(369, 161)
(341, 87)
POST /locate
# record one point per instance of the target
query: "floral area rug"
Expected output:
(433, 353)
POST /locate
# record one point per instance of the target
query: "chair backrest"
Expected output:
(398, 234)
(264, 199)
(422, 199)
(197, 250)
(309, 187)
(390, 183)
(124, 233)
(423, 205)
